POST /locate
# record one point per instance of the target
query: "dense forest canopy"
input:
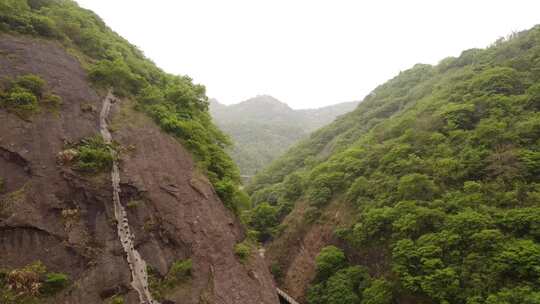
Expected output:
(441, 166)
(175, 103)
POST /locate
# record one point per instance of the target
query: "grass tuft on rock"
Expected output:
(179, 272)
(93, 155)
(25, 95)
(31, 284)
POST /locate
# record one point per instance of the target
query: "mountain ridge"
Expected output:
(263, 127)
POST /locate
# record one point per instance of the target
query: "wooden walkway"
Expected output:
(285, 296)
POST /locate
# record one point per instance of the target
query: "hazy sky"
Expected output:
(307, 53)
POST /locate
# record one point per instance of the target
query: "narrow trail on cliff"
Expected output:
(136, 264)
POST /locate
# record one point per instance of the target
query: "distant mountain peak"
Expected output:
(263, 127)
(267, 102)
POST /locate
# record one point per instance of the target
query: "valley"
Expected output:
(121, 183)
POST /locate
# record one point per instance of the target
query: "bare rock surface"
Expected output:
(297, 247)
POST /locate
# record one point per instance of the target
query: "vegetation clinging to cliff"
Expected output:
(30, 284)
(179, 272)
(25, 95)
(93, 155)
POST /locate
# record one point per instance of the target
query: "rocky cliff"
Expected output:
(64, 218)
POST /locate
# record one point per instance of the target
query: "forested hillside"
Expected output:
(263, 128)
(439, 169)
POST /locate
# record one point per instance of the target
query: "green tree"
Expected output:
(518, 295)
(263, 218)
(328, 261)
(116, 73)
(343, 286)
(319, 196)
(416, 186)
(498, 80)
(379, 292)
(293, 187)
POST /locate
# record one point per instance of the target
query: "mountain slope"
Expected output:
(61, 225)
(429, 189)
(263, 127)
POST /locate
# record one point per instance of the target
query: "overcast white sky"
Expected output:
(307, 53)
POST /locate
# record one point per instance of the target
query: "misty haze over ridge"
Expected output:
(263, 128)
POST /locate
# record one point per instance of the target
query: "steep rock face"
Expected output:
(65, 219)
(295, 250)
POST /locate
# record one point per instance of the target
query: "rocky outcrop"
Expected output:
(66, 219)
(295, 249)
